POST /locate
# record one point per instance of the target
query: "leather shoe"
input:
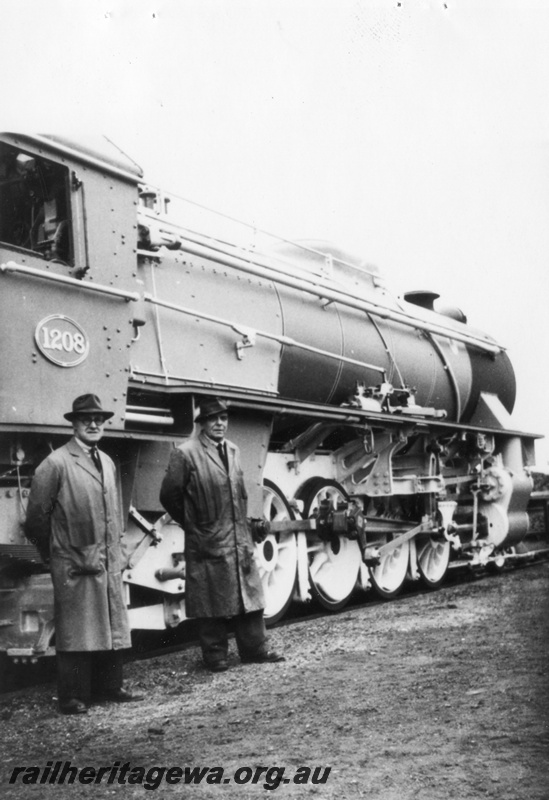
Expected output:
(218, 666)
(73, 706)
(121, 696)
(264, 657)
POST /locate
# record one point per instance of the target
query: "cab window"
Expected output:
(34, 204)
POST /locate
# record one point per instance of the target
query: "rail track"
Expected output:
(459, 574)
(16, 678)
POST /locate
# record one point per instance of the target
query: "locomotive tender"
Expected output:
(375, 431)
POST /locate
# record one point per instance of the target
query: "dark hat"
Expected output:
(211, 406)
(87, 404)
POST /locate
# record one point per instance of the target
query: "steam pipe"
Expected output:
(337, 295)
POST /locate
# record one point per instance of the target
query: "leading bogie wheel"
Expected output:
(504, 558)
(333, 565)
(276, 556)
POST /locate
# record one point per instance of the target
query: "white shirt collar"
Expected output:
(86, 448)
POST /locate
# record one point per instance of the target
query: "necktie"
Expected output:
(223, 455)
(95, 457)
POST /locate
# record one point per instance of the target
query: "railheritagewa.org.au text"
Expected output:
(118, 773)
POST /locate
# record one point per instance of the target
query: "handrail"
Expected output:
(159, 218)
(12, 266)
(248, 254)
(319, 289)
(248, 333)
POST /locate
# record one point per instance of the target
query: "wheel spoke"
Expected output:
(389, 575)
(318, 562)
(333, 564)
(433, 558)
(276, 556)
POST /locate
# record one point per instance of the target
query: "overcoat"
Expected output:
(210, 503)
(74, 515)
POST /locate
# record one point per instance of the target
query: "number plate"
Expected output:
(62, 340)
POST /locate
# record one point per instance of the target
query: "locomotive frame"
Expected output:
(375, 431)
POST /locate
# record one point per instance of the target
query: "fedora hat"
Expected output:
(87, 404)
(210, 407)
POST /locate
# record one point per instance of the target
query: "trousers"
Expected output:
(84, 675)
(249, 631)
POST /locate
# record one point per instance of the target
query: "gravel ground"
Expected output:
(438, 696)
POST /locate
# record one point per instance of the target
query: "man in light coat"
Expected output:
(74, 519)
(204, 492)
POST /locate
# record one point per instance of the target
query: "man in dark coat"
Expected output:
(204, 492)
(74, 519)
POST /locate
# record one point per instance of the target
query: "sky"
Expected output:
(414, 133)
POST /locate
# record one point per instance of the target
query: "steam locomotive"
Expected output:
(375, 431)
